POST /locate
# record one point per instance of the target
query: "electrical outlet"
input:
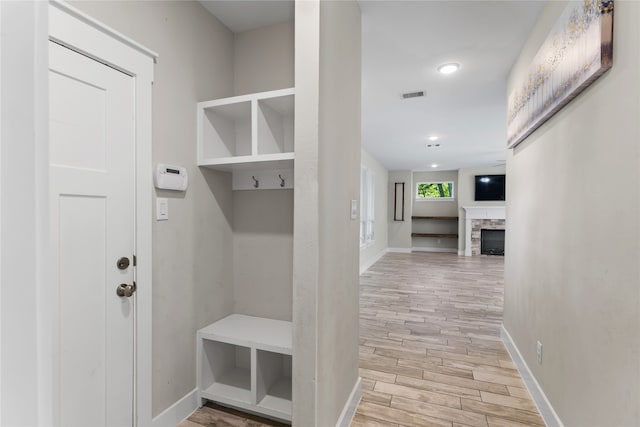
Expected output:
(539, 352)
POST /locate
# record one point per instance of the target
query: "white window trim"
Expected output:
(435, 199)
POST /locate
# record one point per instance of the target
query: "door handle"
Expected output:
(125, 290)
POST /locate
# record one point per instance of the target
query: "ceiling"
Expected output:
(403, 43)
(245, 15)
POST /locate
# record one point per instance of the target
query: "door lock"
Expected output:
(123, 263)
(125, 290)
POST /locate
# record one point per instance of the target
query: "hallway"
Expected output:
(430, 347)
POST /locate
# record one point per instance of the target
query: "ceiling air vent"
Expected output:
(417, 94)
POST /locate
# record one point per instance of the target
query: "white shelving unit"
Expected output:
(245, 362)
(250, 135)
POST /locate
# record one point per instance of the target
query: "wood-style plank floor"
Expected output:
(212, 415)
(430, 348)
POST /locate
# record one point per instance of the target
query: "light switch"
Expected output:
(162, 209)
(354, 209)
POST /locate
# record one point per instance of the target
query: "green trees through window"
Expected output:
(435, 190)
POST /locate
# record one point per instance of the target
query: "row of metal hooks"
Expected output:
(256, 182)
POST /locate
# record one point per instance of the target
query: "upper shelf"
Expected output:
(249, 130)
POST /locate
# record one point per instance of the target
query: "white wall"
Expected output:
(371, 252)
(24, 351)
(192, 255)
(399, 234)
(435, 208)
(466, 195)
(573, 239)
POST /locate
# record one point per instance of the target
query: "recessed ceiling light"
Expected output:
(433, 138)
(434, 165)
(449, 68)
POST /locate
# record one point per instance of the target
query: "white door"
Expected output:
(92, 224)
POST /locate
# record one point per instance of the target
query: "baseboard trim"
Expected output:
(400, 250)
(549, 415)
(427, 249)
(350, 407)
(178, 412)
(373, 260)
(460, 253)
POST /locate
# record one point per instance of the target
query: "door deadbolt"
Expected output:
(123, 263)
(125, 290)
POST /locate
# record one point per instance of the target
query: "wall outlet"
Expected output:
(354, 209)
(539, 352)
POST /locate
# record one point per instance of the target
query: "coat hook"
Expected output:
(281, 180)
(256, 183)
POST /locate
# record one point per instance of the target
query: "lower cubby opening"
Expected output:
(273, 382)
(226, 372)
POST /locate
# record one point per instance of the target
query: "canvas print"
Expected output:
(577, 51)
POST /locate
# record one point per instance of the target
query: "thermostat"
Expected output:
(171, 177)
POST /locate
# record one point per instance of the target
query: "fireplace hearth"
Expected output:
(492, 242)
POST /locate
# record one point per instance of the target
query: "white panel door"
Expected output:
(92, 175)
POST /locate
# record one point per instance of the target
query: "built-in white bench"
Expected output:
(245, 362)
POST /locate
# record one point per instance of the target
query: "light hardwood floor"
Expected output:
(430, 348)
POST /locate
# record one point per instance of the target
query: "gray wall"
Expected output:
(573, 239)
(263, 59)
(263, 220)
(263, 253)
(339, 183)
(381, 210)
(306, 230)
(192, 259)
(466, 195)
(435, 208)
(399, 234)
(325, 238)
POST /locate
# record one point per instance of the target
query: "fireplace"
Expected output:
(491, 242)
(480, 218)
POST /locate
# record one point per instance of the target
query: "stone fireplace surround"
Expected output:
(477, 218)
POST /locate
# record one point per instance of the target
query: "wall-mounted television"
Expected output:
(490, 187)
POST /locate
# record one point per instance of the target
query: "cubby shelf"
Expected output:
(426, 227)
(435, 235)
(439, 218)
(251, 133)
(245, 362)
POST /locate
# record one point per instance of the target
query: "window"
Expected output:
(434, 191)
(367, 206)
